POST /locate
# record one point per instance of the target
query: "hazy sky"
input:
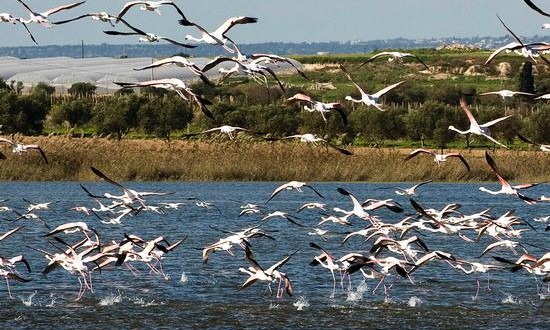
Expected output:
(290, 20)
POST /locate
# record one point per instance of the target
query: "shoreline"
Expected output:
(184, 160)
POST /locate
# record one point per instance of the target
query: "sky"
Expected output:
(288, 20)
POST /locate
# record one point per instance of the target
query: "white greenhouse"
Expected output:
(62, 72)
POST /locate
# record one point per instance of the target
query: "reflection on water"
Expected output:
(195, 295)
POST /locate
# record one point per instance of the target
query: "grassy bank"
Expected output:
(151, 160)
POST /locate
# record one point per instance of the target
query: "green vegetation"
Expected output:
(418, 114)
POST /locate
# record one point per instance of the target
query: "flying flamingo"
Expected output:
(176, 85)
(42, 18)
(543, 147)
(368, 99)
(392, 56)
(218, 36)
(20, 148)
(475, 128)
(148, 6)
(506, 187)
(317, 106)
(99, 16)
(438, 158)
(504, 93)
(314, 139)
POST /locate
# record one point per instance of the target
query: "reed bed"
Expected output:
(155, 160)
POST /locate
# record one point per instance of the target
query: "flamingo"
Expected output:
(412, 190)
(250, 68)
(438, 158)
(42, 18)
(8, 18)
(317, 106)
(99, 16)
(314, 139)
(20, 148)
(292, 185)
(147, 37)
(257, 273)
(218, 36)
(475, 128)
(129, 195)
(543, 147)
(172, 84)
(543, 97)
(525, 50)
(181, 62)
(506, 188)
(148, 6)
(504, 93)
(368, 99)
(392, 56)
(231, 131)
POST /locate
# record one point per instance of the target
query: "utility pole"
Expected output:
(82, 49)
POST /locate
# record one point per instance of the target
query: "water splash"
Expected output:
(542, 219)
(510, 300)
(28, 302)
(357, 295)
(414, 301)
(111, 299)
(184, 278)
(274, 306)
(301, 303)
(53, 300)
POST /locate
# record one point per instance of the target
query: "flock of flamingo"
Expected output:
(398, 249)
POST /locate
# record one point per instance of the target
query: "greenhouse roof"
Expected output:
(62, 72)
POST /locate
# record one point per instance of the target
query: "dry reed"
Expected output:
(154, 160)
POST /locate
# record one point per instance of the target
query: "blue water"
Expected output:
(197, 296)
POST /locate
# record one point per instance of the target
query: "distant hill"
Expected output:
(281, 48)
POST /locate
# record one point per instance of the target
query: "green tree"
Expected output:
(163, 115)
(75, 112)
(82, 89)
(116, 115)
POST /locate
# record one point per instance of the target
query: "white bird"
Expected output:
(392, 56)
(257, 273)
(251, 68)
(317, 106)
(543, 147)
(525, 50)
(543, 97)
(8, 18)
(148, 6)
(293, 185)
(314, 139)
(173, 84)
(99, 16)
(438, 158)
(231, 131)
(20, 148)
(412, 190)
(146, 36)
(179, 61)
(368, 99)
(129, 195)
(475, 128)
(218, 36)
(506, 188)
(504, 93)
(42, 18)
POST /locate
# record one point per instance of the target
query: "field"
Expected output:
(154, 160)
